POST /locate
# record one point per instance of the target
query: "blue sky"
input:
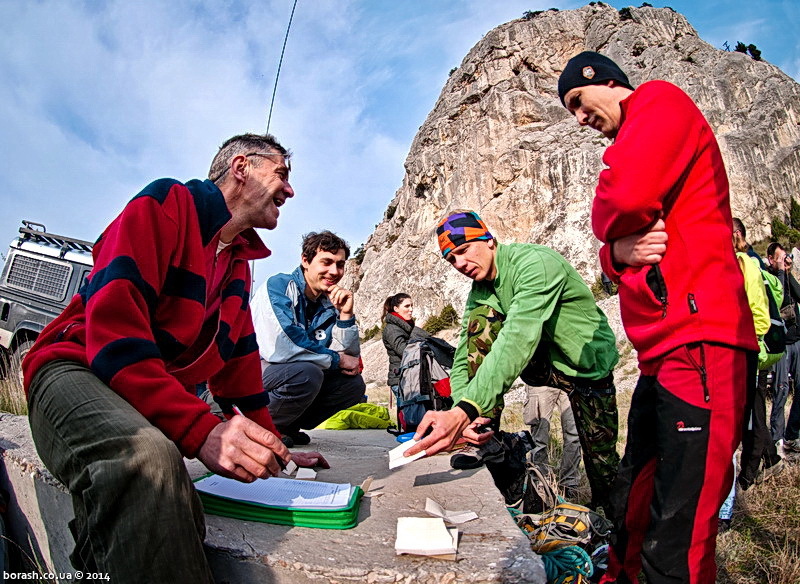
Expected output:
(100, 98)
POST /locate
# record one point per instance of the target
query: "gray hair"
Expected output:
(243, 144)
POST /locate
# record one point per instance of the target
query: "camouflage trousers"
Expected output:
(482, 329)
(594, 402)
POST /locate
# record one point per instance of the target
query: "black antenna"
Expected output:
(275, 89)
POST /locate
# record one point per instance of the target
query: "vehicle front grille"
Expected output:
(40, 276)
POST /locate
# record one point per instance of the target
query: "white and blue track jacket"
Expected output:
(279, 315)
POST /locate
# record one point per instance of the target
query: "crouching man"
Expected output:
(528, 314)
(308, 339)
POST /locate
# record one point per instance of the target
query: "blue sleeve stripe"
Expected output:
(158, 189)
(120, 268)
(236, 288)
(212, 212)
(224, 343)
(182, 283)
(168, 345)
(245, 346)
(121, 353)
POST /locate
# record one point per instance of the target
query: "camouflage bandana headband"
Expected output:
(461, 228)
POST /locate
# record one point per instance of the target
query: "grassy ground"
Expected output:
(12, 397)
(763, 544)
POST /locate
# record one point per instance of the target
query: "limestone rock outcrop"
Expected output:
(498, 141)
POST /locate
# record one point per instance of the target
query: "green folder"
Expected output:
(328, 518)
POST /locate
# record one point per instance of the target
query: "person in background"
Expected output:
(539, 406)
(740, 243)
(795, 253)
(308, 339)
(398, 329)
(789, 365)
(758, 448)
(754, 431)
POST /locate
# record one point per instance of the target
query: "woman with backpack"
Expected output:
(398, 317)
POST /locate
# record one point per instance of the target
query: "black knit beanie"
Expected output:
(589, 68)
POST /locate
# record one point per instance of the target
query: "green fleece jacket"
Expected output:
(542, 297)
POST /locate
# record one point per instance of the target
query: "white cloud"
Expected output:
(99, 99)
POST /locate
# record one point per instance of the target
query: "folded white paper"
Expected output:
(396, 457)
(291, 466)
(456, 517)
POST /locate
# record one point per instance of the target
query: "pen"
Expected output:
(282, 464)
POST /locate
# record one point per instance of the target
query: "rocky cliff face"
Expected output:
(498, 141)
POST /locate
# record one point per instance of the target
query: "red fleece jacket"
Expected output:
(140, 321)
(666, 162)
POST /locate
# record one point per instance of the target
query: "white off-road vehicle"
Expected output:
(42, 272)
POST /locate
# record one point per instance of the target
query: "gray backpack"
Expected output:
(424, 381)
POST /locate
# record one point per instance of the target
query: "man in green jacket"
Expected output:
(529, 314)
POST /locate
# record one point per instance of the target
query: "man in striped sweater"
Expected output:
(110, 382)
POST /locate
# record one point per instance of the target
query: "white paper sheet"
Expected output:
(306, 474)
(396, 457)
(279, 492)
(425, 536)
(433, 508)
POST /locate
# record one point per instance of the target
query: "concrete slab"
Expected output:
(39, 506)
(491, 548)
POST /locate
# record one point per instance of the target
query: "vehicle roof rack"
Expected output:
(37, 233)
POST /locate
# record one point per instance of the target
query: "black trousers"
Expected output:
(757, 441)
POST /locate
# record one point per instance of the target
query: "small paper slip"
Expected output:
(433, 508)
(278, 492)
(426, 536)
(306, 474)
(396, 457)
(366, 486)
(291, 466)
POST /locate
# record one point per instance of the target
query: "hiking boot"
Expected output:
(510, 473)
(474, 457)
(791, 445)
(599, 563)
(723, 525)
(744, 484)
(466, 458)
(771, 471)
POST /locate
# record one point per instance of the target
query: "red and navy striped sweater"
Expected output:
(143, 320)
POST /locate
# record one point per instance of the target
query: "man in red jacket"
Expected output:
(111, 381)
(662, 210)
